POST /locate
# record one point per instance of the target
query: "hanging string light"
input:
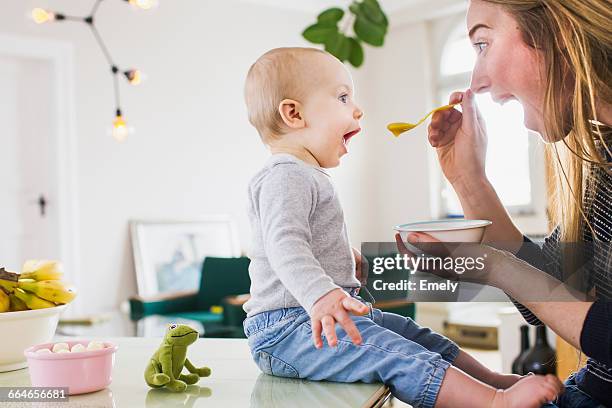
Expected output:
(133, 76)
(143, 4)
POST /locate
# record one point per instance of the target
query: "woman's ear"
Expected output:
(290, 112)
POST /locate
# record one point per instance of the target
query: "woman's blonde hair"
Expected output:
(575, 39)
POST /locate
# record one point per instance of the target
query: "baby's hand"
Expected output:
(331, 308)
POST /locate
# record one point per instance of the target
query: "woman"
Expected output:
(554, 57)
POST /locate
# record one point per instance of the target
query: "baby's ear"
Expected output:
(291, 113)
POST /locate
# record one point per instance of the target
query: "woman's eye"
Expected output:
(480, 46)
(343, 98)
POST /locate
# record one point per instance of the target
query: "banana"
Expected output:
(16, 304)
(50, 290)
(41, 270)
(8, 285)
(4, 302)
(33, 301)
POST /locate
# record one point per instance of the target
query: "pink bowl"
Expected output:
(81, 372)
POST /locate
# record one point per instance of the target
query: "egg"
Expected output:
(60, 346)
(77, 348)
(95, 345)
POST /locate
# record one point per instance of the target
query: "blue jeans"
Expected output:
(573, 397)
(410, 359)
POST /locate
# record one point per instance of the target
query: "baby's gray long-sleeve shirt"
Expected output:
(300, 248)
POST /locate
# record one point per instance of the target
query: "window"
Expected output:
(508, 151)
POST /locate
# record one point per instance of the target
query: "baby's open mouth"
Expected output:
(349, 135)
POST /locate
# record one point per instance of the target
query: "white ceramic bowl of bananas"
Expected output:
(30, 305)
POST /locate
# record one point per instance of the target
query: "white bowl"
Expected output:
(24, 329)
(447, 230)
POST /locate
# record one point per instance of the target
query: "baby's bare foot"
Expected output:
(530, 392)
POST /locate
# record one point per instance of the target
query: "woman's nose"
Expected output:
(479, 82)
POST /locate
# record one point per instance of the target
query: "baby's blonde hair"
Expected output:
(278, 74)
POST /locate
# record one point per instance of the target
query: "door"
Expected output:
(29, 226)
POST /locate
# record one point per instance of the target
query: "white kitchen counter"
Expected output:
(235, 382)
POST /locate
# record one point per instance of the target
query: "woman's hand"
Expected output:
(430, 246)
(460, 139)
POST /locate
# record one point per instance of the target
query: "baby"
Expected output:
(303, 270)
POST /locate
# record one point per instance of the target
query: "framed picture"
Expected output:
(168, 255)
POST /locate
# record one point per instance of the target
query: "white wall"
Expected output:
(392, 86)
(194, 151)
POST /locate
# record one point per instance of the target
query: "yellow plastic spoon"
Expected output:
(399, 127)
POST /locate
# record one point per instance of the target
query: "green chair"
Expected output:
(222, 280)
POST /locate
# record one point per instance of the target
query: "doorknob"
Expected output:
(42, 204)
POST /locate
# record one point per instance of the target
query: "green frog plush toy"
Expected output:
(164, 368)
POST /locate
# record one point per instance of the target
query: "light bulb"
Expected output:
(134, 76)
(143, 4)
(120, 130)
(42, 16)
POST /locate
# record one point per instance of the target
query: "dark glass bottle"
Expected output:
(517, 364)
(541, 358)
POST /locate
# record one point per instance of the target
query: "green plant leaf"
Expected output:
(356, 54)
(331, 16)
(319, 34)
(339, 45)
(370, 27)
(369, 32)
(371, 9)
